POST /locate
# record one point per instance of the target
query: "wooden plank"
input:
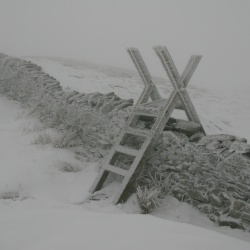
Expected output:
(100, 179)
(190, 69)
(127, 150)
(175, 78)
(115, 170)
(143, 71)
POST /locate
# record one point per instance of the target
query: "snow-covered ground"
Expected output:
(42, 207)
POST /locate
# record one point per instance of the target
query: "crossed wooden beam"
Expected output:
(179, 98)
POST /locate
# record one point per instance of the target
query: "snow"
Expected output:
(66, 229)
(42, 207)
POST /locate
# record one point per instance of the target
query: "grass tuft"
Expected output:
(68, 167)
(147, 199)
(9, 195)
(66, 140)
(43, 138)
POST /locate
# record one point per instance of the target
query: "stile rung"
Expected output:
(127, 150)
(138, 132)
(142, 111)
(115, 170)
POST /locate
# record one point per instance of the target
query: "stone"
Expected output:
(123, 113)
(116, 131)
(239, 205)
(246, 218)
(168, 168)
(247, 156)
(239, 196)
(105, 144)
(171, 122)
(212, 159)
(196, 137)
(190, 149)
(226, 210)
(164, 156)
(225, 153)
(178, 194)
(192, 169)
(208, 209)
(107, 106)
(240, 147)
(122, 105)
(235, 214)
(92, 100)
(184, 176)
(154, 161)
(213, 218)
(187, 127)
(231, 189)
(219, 151)
(215, 200)
(226, 144)
(221, 137)
(225, 199)
(237, 160)
(232, 224)
(183, 139)
(184, 166)
(197, 195)
(187, 183)
(213, 145)
(242, 140)
(247, 209)
(169, 137)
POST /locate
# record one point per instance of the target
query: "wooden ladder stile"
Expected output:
(160, 109)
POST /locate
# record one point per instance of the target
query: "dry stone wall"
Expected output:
(212, 173)
(94, 118)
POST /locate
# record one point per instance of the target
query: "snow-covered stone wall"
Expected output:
(94, 118)
(212, 173)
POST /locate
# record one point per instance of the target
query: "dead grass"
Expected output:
(68, 167)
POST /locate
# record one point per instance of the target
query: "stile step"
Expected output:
(115, 170)
(143, 111)
(139, 132)
(127, 150)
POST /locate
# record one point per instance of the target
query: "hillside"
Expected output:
(46, 205)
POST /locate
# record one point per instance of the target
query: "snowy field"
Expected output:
(44, 207)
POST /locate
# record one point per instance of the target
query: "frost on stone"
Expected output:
(240, 147)
(220, 138)
(213, 145)
(201, 175)
(187, 127)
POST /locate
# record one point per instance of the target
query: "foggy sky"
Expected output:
(100, 31)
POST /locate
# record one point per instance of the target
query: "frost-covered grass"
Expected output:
(69, 167)
(10, 195)
(58, 140)
(147, 198)
(42, 138)
(65, 140)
